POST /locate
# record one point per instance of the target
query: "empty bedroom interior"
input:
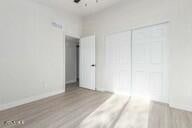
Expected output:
(95, 64)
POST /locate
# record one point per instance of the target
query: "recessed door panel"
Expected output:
(155, 83)
(140, 53)
(139, 83)
(156, 53)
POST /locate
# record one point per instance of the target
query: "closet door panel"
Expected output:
(148, 62)
(118, 63)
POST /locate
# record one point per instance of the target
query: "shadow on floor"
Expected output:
(72, 86)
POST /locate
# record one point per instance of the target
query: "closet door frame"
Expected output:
(165, 99)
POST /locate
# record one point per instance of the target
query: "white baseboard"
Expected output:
(70, 81)
(28, 100)
(181, 107)
(36, 98)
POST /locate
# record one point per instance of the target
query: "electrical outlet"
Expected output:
(44, 84)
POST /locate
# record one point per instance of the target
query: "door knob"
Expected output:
(93, 65)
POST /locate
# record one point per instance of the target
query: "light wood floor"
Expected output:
(81, 108)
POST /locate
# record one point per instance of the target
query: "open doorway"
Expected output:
(72, 63)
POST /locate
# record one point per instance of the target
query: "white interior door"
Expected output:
(118, 63)
(87, 62)
(148, 62)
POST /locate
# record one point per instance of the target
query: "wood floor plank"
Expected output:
(82, 108)
(38, 108)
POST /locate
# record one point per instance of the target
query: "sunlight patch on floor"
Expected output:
(135, 115)
(119, 112)
(106, 114)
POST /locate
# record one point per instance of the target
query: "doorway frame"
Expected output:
(64, 57)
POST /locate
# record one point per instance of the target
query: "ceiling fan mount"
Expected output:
(77, 1)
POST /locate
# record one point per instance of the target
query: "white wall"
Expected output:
(135, 13)
(31, 50)
(71, 61)
(181, 57)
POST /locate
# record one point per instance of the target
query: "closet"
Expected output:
(136, 62)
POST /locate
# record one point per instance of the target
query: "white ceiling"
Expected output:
(80, 8)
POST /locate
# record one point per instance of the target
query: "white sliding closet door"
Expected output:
(118, 63)
(148, 62)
